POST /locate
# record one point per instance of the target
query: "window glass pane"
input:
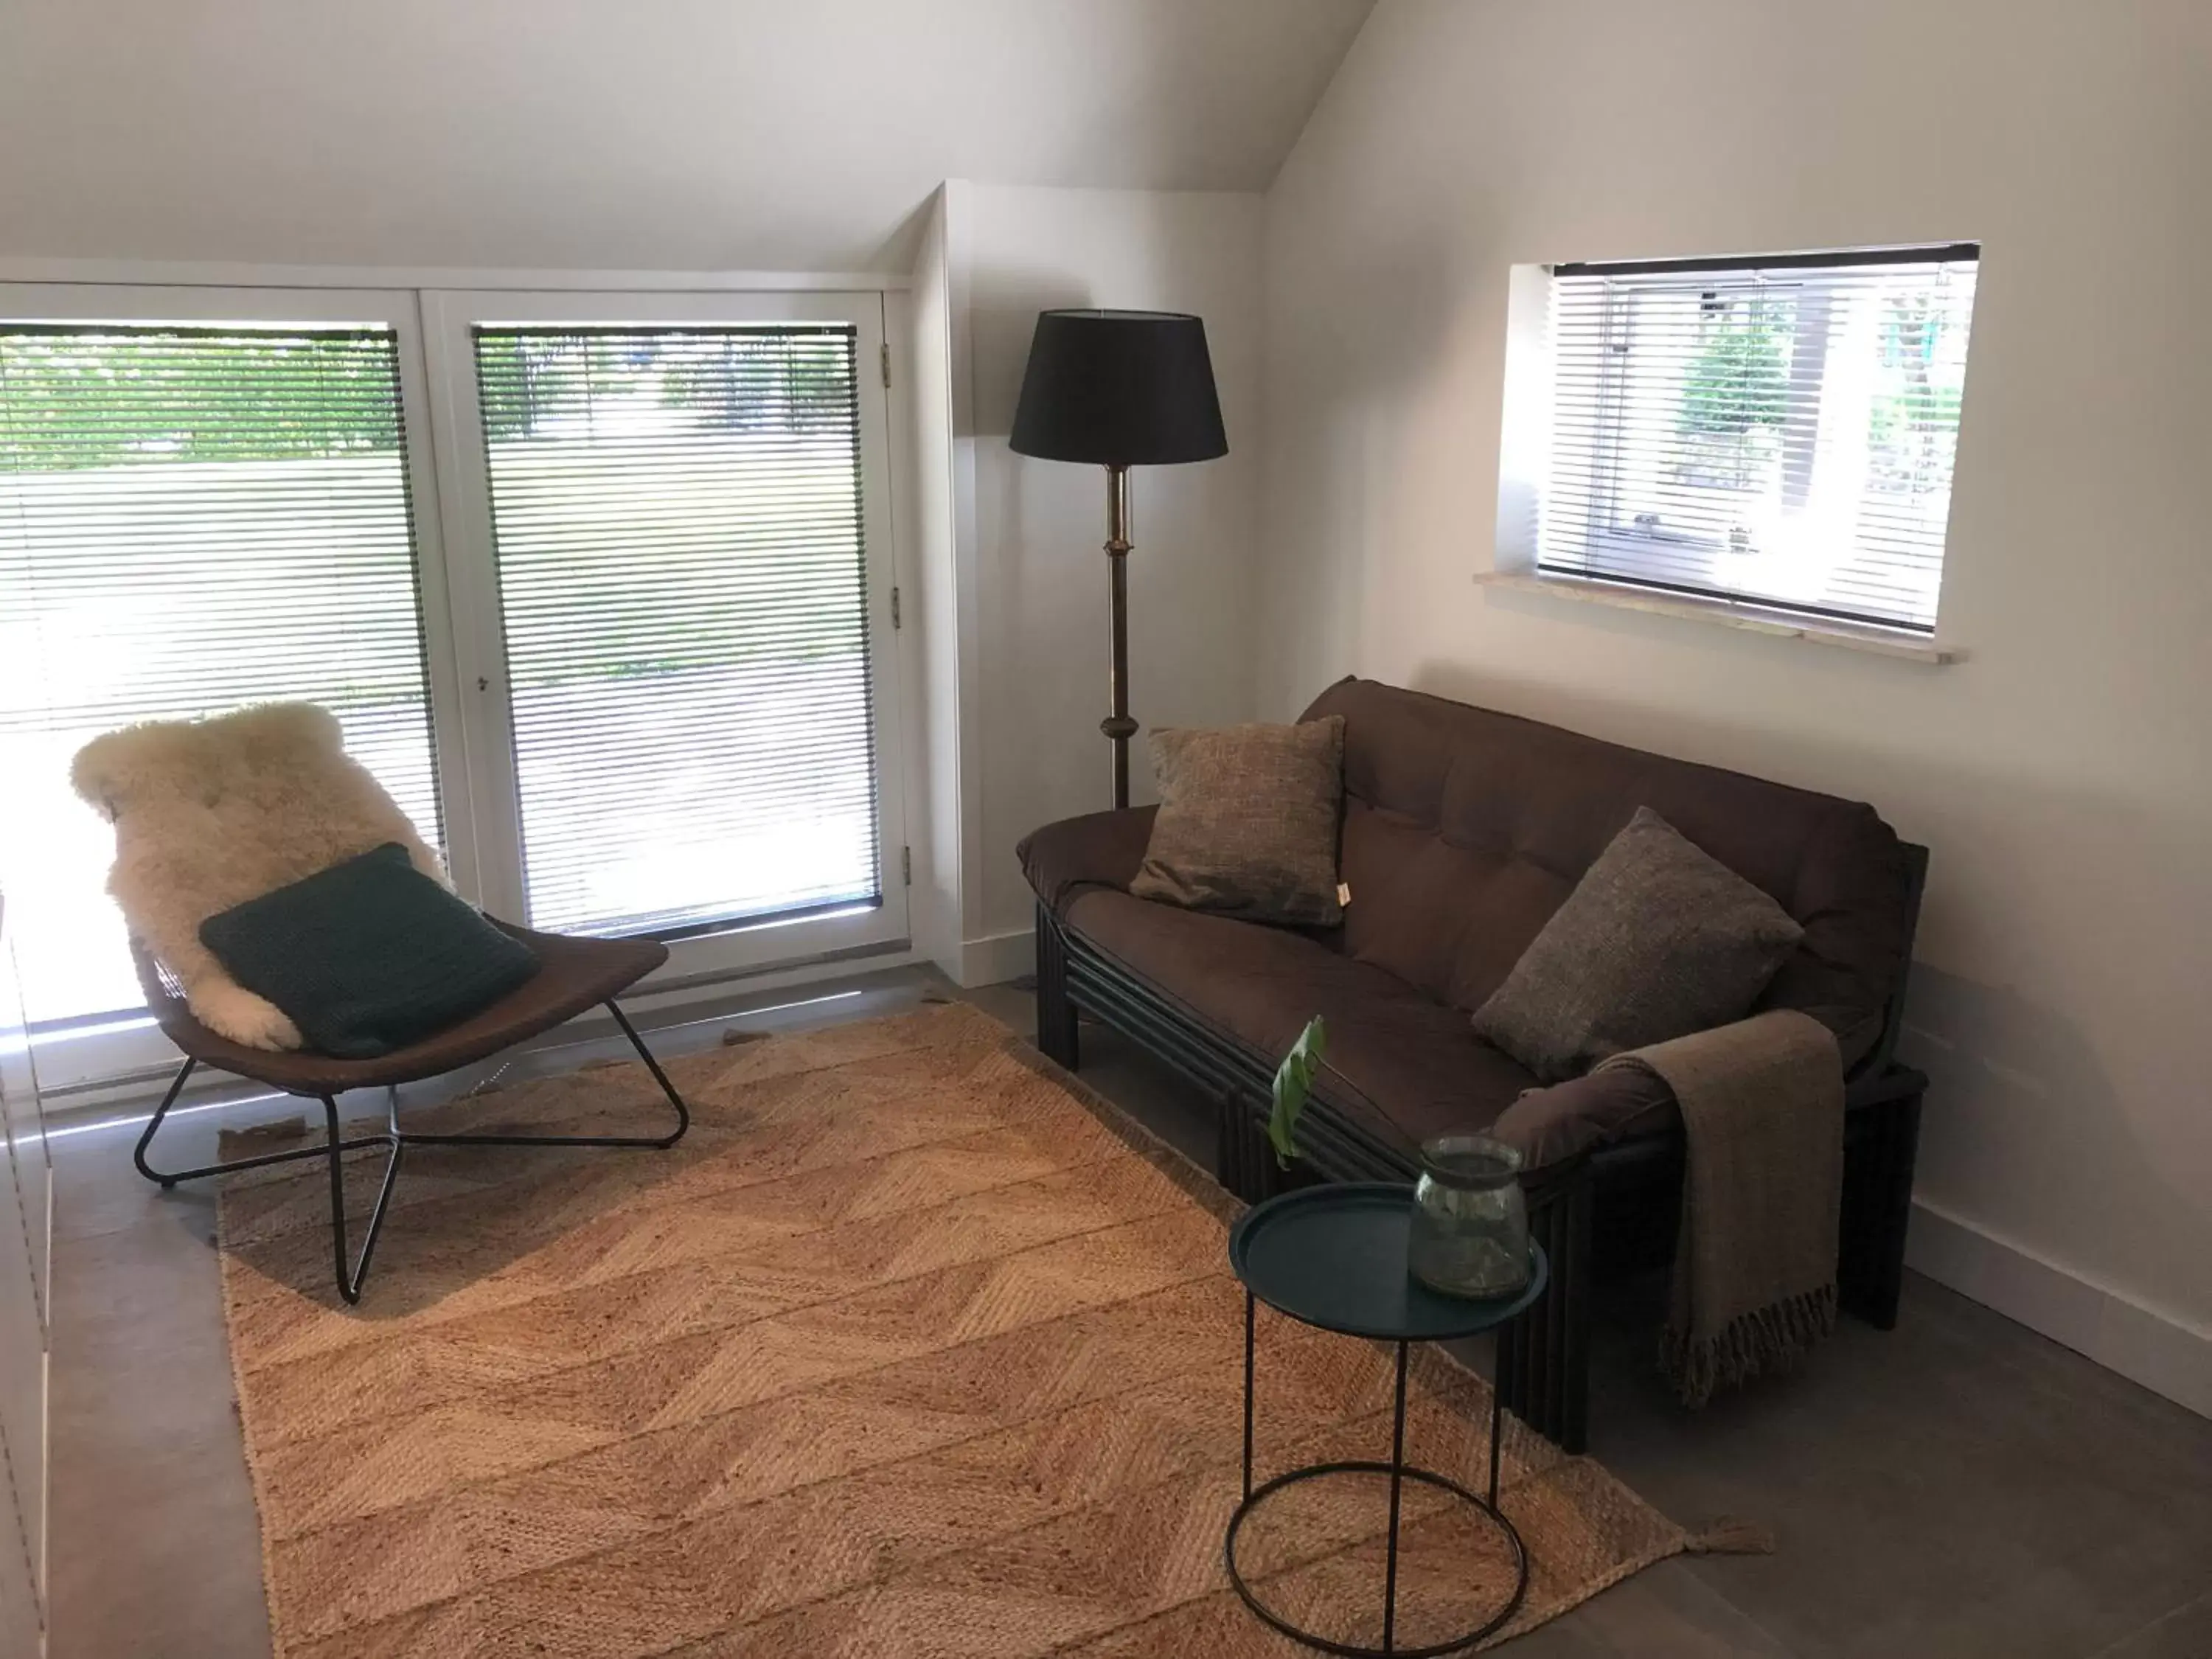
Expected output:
(1781, 436)
(190, 518)
(676, 514)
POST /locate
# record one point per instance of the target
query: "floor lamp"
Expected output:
(1119, 389)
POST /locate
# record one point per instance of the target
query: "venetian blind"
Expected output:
(677, 518)
(190, 518)
(1778, 433)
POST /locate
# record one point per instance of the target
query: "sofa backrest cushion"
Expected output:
(1465, 828)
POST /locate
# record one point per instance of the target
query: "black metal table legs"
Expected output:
(350, 1273)
(1398, 1471)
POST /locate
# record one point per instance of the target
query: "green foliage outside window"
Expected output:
(522, 378)
(777, 382)
(1913, 421)
(73, 400)
(724, 380)
(1737, 388)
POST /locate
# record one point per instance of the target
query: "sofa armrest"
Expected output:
(1099, 849)
(1549, 1126)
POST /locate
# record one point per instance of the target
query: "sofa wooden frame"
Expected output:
(1609, 1210)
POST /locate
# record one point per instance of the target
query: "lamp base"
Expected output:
(1117, 726)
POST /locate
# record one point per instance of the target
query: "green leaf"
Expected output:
(1294, 1081)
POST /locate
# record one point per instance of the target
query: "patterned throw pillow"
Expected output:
(1658, 941)
(1248, 821)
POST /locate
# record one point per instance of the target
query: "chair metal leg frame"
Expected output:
(417, 1137)
(396, 1140)
(350, 1281)
(166, 1178)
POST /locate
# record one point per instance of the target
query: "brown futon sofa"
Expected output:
(1463, 830)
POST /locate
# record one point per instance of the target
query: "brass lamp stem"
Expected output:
(1118, 726)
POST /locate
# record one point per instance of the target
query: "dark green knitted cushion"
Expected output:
(367, 956)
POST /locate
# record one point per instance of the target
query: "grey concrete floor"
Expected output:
(1959, 1486)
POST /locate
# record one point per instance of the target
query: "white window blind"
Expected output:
(191, 517)
(1777, 433)
(676, 522)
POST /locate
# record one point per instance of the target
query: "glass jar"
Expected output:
(1470, 1232)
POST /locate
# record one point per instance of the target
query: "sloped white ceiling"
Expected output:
(790, 135)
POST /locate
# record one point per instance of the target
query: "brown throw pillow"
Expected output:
(1658, 941)
(1248, 821)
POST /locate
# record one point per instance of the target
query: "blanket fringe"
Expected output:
(1775, 1338)
(1730, 1535)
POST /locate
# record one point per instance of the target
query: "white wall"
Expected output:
(1039, 577)
(2063, 775)
(936, 586)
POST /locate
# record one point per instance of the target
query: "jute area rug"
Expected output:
(912, 1347)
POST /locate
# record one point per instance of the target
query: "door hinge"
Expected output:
(896, 622)
(887, 364)
(906, 866)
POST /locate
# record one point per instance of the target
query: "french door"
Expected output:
(668, 538)
(598, 584)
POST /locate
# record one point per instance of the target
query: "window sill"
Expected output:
(1781, 623)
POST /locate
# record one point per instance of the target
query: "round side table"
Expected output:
(1335, 1257)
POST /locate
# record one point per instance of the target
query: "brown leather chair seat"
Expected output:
(573, 974)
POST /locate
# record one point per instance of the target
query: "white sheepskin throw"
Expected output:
(210, 813)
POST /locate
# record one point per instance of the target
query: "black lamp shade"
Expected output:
(1119, 388)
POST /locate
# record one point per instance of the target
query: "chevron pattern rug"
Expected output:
(912, 1347)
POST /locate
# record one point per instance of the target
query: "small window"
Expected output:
(1776, 432)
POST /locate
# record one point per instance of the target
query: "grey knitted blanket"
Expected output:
(1762, 1103)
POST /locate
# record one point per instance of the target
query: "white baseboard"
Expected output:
(996, 959)
(649, 1000)
(2166, 1354)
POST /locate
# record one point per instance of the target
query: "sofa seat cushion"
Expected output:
(1417, 1061)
